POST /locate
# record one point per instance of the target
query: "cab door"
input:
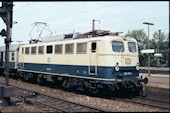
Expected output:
(93, 58)
(21, 57)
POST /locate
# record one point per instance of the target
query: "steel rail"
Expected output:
(54, 102)
(147, 102)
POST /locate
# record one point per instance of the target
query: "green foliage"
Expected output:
(159, 42)
(140, 36)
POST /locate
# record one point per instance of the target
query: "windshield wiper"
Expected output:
(121, 50)
(131, 49)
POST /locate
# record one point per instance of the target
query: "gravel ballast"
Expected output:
(102, 103)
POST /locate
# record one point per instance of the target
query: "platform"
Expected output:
(157, 80)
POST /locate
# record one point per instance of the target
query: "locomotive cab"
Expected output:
(118, 60)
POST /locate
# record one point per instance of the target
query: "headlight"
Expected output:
(117, 67)
(137, 66)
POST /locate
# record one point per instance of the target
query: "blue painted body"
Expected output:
(103, 72)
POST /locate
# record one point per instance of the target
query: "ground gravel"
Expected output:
(102, 103)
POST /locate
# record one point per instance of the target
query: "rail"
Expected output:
(57, 104)
(147, 101)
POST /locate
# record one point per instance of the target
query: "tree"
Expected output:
(140, 36)
(160, 42)
(158, 39)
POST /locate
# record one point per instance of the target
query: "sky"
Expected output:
(67, 17)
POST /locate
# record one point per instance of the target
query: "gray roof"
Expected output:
(53, 38)
(11, 47)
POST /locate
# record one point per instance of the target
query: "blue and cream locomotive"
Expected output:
(93, 60)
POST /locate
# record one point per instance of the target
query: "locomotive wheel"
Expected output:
(20, 75)
(66, 84)
(40, 79)
(25, 77)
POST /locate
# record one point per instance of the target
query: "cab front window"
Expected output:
(117, 46)
(132, 47)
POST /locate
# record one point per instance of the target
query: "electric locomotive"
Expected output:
(94, 60)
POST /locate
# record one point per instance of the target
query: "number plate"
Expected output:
(127, 73)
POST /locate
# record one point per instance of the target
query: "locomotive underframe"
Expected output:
(128, 86)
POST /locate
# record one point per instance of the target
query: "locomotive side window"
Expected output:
(69, 48)
(132, 46)
(41, 50)
(117, 46)
(27, 50)
(58, 49)
(12, 58)
(33, 50)
(50, 49)
(93, 47)
(81, 48)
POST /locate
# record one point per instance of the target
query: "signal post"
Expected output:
(6, 11)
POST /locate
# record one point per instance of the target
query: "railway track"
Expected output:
(148, 102)
(57, 104)
(54, 104)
